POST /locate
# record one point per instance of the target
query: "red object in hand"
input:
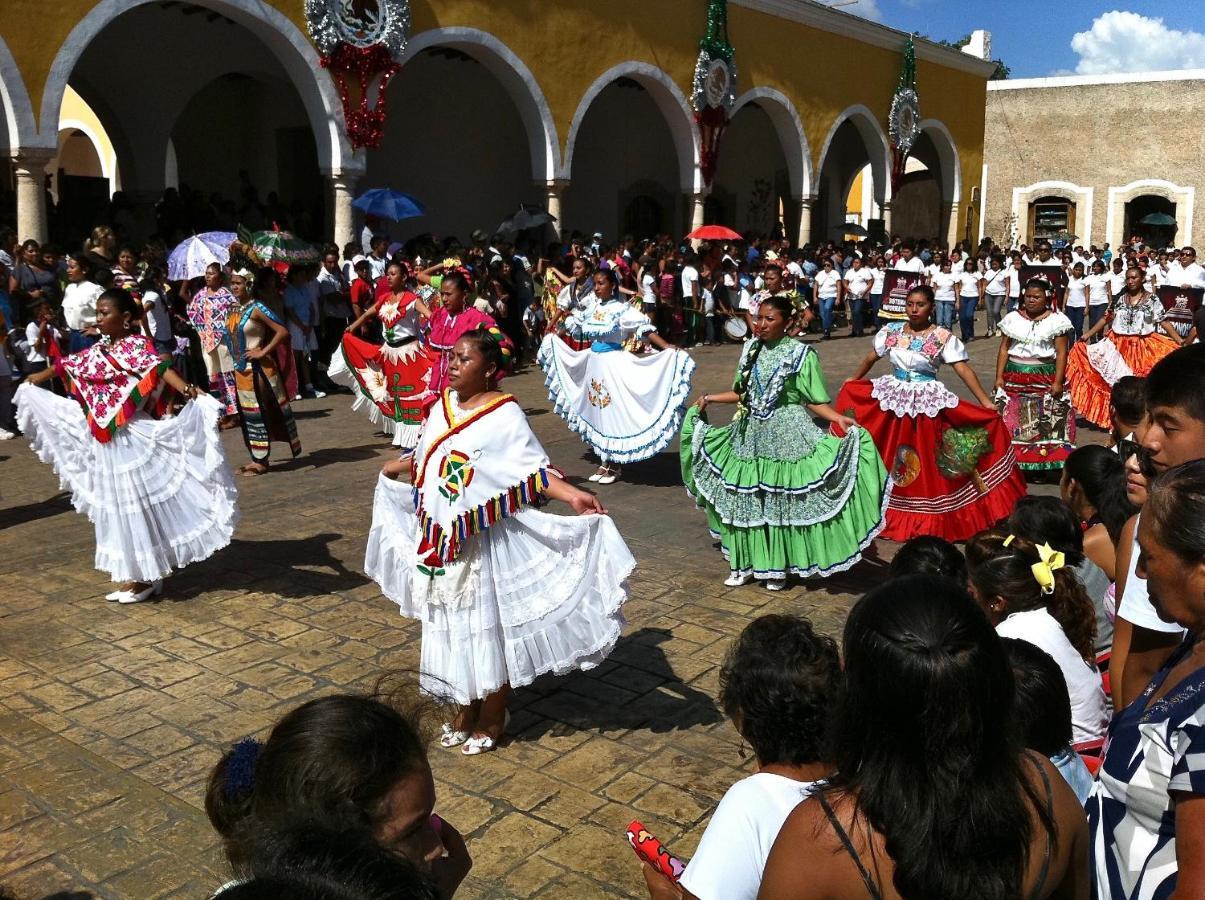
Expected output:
(649, 849)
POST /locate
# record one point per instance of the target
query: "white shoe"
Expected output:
(116, 595)
(611, 477)
(475, 746)
(318, 395)
(6, 435)
(153, 589)
(736, 580)
(778, 584)
(597, 475)
(450, 737)
(298, 397)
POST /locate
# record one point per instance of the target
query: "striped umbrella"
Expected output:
(277, 246)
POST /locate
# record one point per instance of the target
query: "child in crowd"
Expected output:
(534, 323)
(929, 555)
(1127, 407)
(1042, 712)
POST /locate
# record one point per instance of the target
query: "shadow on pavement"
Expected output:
(642, 691)
(288, 568)
(663, 470)
(329, 456)
(31, 512)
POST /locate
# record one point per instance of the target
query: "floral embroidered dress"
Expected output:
(626, 407)
(1042, 428)
(392, 379)
(208, 312)
(1131, 346)
(157, 490)
(445, 331)
(504, 592)
(951, 461)
(263, 404)
(782, 496)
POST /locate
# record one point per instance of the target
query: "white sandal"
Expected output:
(450, 737)
(475, 746)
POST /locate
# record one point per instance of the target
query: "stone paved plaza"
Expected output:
(112, 716)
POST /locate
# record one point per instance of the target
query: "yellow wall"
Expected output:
(568, 45)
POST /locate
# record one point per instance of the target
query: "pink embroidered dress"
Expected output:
(445, 331)
(157, 489)
(208, 313)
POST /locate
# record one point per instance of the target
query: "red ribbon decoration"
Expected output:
(365, 123)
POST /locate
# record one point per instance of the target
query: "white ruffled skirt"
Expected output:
(159, 494)
(626, 407)
(534, 593)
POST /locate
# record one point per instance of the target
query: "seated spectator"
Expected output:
(933, 798)
(778, 684)
(929, 555)
(1147, 810)
(1042, 712)
(1094, 486)
(1030, 594)
(351, 762)
(1048, 520)
(311, 861)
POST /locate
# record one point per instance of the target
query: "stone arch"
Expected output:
(291, 48)
(20, 126)
(875, 140)
(1183, 196)
(790, 131)
(854, 140)
(518, 81)
(669, 100)
(1081, 197)
(947, 157)
(108, 161)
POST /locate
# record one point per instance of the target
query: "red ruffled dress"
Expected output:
(951, 461)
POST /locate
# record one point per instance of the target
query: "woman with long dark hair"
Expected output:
(933, 797)
(454, 317)
(1094, 486)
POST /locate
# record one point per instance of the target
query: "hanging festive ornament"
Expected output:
(903, 123)
(714, 91)
(361, 42)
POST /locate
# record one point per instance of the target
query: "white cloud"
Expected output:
(1127, 42)
(867, 9)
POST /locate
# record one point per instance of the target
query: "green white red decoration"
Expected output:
(714, 91)
(903, 123)
(361, 42)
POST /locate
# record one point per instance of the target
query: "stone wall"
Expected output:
(1099, 142)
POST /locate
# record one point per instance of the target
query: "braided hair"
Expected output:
(786, 309)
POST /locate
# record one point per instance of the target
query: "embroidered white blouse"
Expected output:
(1033, 339)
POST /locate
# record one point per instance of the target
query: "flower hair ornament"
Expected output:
(503, 344)
(1049, 562)
(240, 770)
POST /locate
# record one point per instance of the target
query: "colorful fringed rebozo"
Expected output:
(472, 472)
(112, 381)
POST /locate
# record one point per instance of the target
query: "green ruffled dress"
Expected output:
(782, 496)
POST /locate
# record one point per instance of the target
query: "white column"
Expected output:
(954, 232)
(29, 177)
(342, 220)
(696, 209)
(554, 194)
(805, 221)
(886, 208)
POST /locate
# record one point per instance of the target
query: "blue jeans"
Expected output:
(967, 307)
(826, 313)
(876, 303)
(1076, 315)
(857, 307)
(945, 313)
(1096, 312)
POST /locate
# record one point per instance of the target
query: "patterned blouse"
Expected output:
(1154, 750)
(1142, 319)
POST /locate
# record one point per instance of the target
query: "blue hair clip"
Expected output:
(240, 771)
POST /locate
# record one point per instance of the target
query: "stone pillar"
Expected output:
(954, 232)
(696, 209)
(886, 210)
(805, 221)
(554, 194)
(341, 220)
(29, 177)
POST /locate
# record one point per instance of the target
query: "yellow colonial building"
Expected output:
(580, 107)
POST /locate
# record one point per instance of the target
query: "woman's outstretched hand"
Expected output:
(585, 504)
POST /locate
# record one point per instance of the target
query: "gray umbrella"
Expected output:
(850, 228)
(1157, 218)
(527, 217)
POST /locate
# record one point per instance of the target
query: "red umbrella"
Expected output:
(713, 233)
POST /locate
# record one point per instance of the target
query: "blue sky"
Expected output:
(1034, 37)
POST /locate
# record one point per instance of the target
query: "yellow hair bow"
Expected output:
(1051, 561)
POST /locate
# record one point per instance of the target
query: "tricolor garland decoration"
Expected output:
(903, 122)
(713, 93)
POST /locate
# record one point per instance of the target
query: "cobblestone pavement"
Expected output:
(112, 716)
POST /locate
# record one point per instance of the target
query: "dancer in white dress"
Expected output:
(626, 407)
(157, 490)
(504, 593)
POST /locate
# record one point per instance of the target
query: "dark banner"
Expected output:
(1051, 273)
(1180, 304)
(896, 285)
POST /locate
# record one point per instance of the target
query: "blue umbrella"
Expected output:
(388, 204)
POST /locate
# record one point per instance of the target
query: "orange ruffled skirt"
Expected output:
(1090, 390)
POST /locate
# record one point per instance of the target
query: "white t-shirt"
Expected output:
(1117, 282)
(879, 276)
(1075, 292)
(690, 277)
(968, 284)
(909, 265)
(1135, 606)
(732, 853)
(826, 281)
(31, 339)
(943, 286)
(1098, 289)
(157, 317)
(1089, 709)
(858, 281)
(1014, 282)
(997, 282)
(932, 271)
(1192, 275)
(648, 288)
